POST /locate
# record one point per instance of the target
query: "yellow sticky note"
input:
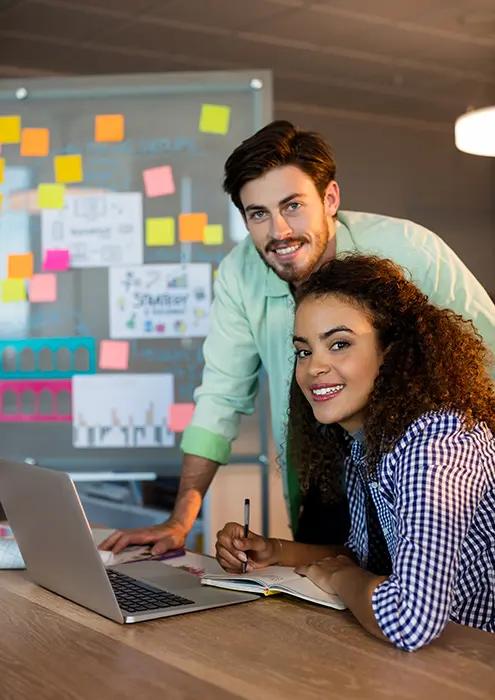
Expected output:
(51, 196)
(10, 129)
(2, 169)
(214, 119)
(68, 168)
(160, 231)
(109, 127)
(35, 143)
(213, 234)
(13, 290)
(20, 265)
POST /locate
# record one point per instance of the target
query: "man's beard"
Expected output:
(292, 273)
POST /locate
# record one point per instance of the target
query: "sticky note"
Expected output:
(109, 128)
(10, 129)
(213, 234)
(20, 265)
(13, 290)
(159, 181)
(114, 354)
(68, 168)
(35, 142)
(56, 260)
(179, 416)
(43, 288)
(160, 231)
(51, 196)
(191, 227)
(214, 119)
(2, 169)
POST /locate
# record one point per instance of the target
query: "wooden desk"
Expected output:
(273, 648)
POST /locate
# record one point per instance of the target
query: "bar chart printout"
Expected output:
(122, 410)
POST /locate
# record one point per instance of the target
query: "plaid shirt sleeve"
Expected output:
(438, 484)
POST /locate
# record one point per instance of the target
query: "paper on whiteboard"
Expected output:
(160, 301)
(99, 230)
(122, 410)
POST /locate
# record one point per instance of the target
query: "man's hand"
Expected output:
(168, 535)
(233, 549)
(322, 572)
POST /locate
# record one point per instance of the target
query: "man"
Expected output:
(283, 182)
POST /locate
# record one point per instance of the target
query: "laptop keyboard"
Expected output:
(137, 596)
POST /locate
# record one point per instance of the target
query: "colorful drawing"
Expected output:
(98, 230)
(47, 358)
(166, 301)
(35, 401)
(122, 410)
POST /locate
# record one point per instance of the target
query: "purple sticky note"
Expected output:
(56, 260)
(159, 181)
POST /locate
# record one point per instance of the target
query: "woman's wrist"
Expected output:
(276, 550)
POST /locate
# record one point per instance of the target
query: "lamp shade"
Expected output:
(475, 132)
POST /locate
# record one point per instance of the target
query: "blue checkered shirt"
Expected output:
(434, 494)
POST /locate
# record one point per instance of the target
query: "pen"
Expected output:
(246, 528)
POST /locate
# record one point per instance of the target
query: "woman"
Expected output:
(401, 390)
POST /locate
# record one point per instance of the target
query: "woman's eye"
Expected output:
(339, 345)
(301, 354)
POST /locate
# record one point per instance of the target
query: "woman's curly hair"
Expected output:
(433, 360)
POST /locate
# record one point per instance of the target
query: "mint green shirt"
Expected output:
(252, 319)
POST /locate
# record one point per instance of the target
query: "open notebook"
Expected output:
(275, 579)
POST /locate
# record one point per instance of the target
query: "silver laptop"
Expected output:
(48, 521)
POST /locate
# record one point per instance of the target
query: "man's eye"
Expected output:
(257, 215)
(293, 206)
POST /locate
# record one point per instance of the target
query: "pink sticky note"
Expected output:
(179, 416)
(43, 288)
(159, 181)
(114, 354)
(56, 260)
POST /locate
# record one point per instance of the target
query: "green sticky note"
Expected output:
(160, 231)
(13, 290)
(51, 196)
(213, 234)
(10, 129)
(214, 119)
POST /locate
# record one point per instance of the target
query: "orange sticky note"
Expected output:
(51, 196)
(191, 227)
(2, 169)
(114, 354)
(43, 288)
(68, 168)
(13, 290)
(109, 127)
(10, 129)
(179, 416)
(20, 266)
(35, 142)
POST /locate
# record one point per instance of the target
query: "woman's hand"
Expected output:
(233, 549)
(322, 572)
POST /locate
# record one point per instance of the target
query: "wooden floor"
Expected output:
(272, 648)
